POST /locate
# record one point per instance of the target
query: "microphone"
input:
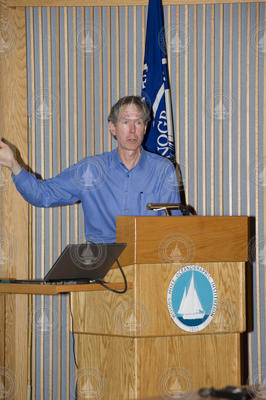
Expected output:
(169, 206)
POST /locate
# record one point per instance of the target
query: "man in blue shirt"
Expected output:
(120, 182)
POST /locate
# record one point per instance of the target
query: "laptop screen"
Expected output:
(87, 261)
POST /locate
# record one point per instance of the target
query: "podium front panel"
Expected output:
(132, 368)
(143, 310)
(152, 240)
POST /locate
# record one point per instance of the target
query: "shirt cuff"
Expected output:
(19, 178)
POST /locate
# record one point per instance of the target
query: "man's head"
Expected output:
(128, 121)
(135, 100)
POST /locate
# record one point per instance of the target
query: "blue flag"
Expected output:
(155, 85)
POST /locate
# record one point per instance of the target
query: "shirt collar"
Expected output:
(116, 161)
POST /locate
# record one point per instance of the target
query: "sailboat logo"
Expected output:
(192, 298)
(190, 307)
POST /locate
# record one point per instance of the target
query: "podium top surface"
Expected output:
(183, 239)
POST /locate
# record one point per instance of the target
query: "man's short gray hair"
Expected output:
(137, 101)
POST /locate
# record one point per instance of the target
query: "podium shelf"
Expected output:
(17, 288)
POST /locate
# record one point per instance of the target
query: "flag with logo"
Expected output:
(155, 85)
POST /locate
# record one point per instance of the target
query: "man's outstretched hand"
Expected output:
(8, 159)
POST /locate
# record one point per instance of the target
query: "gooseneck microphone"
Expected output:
(185, 209)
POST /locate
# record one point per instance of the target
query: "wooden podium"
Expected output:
(129, 346)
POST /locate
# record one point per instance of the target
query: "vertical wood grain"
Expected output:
(14, 212)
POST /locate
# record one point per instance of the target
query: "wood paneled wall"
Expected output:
(14, 212)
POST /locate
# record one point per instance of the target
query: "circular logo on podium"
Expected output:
(192, 298)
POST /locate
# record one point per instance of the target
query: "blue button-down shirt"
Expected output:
(106, 189)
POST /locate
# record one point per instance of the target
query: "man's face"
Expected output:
(130, 127)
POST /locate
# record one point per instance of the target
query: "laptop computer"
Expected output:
(80, 263)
